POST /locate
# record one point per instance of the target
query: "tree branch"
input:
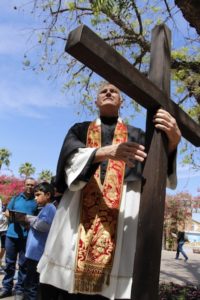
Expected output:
(138, 17)
(79, 70)
(194, 66)
(60, 11)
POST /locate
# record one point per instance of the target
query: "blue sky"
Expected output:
(34, 114)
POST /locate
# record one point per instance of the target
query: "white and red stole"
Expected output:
(100, 203)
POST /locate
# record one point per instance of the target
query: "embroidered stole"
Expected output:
(100, 203)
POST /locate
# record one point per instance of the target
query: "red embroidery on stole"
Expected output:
(98, 219)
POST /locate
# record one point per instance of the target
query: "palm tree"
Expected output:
(26, 169)
(4, 157)
(45, 175)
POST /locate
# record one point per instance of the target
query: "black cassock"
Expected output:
(76, 138)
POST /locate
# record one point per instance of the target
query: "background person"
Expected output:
(3, 230)
(57, 196)
(16, 240)
(37, 236)
(180, 242)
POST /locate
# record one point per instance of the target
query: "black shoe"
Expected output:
(186, 259)
(4, 294)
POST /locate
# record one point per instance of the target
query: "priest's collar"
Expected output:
(109, 120)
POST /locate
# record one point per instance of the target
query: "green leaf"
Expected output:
(26, 63)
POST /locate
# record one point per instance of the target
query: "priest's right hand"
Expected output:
(127, 152)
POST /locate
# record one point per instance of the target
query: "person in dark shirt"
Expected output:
(57, 196)
(180, 242)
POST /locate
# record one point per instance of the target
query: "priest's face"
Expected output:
(109, 100)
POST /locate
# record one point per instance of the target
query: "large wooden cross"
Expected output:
(151, 93)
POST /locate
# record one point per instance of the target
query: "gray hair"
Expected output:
(103, 84)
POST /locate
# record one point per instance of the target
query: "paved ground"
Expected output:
(177, 271)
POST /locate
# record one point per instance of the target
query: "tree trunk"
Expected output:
(191, 12)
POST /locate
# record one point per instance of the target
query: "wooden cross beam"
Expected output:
(92, 51)
(87, 47)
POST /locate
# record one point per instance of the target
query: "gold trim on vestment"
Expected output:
(100, 205)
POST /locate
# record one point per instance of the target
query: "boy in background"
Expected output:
(39, 229)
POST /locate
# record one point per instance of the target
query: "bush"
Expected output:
(174, 291)
(9, 187)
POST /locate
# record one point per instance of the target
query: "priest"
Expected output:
(90, 249)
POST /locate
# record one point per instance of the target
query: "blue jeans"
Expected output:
(32, 280)
(15, 249)
(180, 250)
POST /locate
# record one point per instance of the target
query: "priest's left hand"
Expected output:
(165, 122)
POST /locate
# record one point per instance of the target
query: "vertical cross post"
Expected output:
(92, 51)
(151, 216)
